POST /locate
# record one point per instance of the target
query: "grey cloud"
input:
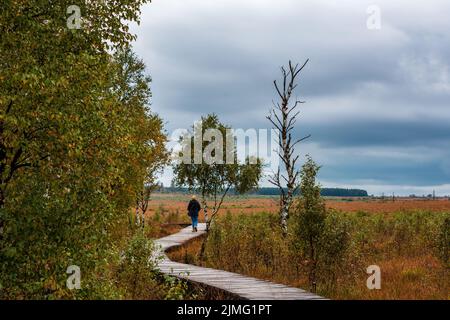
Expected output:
(364, 89)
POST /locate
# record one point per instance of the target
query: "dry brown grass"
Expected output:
(248, 205)
(410, 269)
(421, 277)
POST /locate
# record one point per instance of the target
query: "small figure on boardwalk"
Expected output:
(193, 210)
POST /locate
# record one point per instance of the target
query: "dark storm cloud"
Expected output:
(402, 172)
(385, 90)
(432, 133)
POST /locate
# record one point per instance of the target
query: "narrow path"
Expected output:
(237, 284)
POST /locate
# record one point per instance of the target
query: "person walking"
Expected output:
(193, 210)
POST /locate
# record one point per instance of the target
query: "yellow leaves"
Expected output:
(87, 100)
(63, 82)
(67, 113)
(50, 284)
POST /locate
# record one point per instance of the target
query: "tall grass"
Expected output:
(411, 249)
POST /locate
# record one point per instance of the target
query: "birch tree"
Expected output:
(213, 177)
(283, 117)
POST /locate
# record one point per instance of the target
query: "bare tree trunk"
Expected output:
(142, 199)
(284, 216)
(283, 120)
(201, 255)
(205, 211)
(137, 215)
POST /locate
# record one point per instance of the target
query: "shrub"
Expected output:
(443, 242)
(176, 289)
(310, 215)
(137, 271)
(333, 250)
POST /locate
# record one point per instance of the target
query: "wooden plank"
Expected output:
(237, 284)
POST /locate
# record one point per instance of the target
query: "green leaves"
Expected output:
(320, 237)
(215, 179)
(77, 140)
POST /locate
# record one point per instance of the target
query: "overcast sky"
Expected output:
(377, 101)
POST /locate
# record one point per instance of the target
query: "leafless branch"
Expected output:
(283, 117)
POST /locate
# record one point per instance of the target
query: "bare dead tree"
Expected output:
(283, 117)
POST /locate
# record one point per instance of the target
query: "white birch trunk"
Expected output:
(205, 211)
(137, 216)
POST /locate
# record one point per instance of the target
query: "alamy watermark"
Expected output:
(213, 146)
(74, 279)
(74, 20)
(374, 20)
(374, 280)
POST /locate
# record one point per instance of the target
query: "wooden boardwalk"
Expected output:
(236, 284)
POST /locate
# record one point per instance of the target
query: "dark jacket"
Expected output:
(193, 208)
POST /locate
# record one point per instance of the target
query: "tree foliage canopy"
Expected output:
(76, 142)
(214, 179)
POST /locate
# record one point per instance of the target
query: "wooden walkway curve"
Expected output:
(236, 284)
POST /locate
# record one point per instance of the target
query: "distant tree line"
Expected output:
(325, 192)
(272, 191)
